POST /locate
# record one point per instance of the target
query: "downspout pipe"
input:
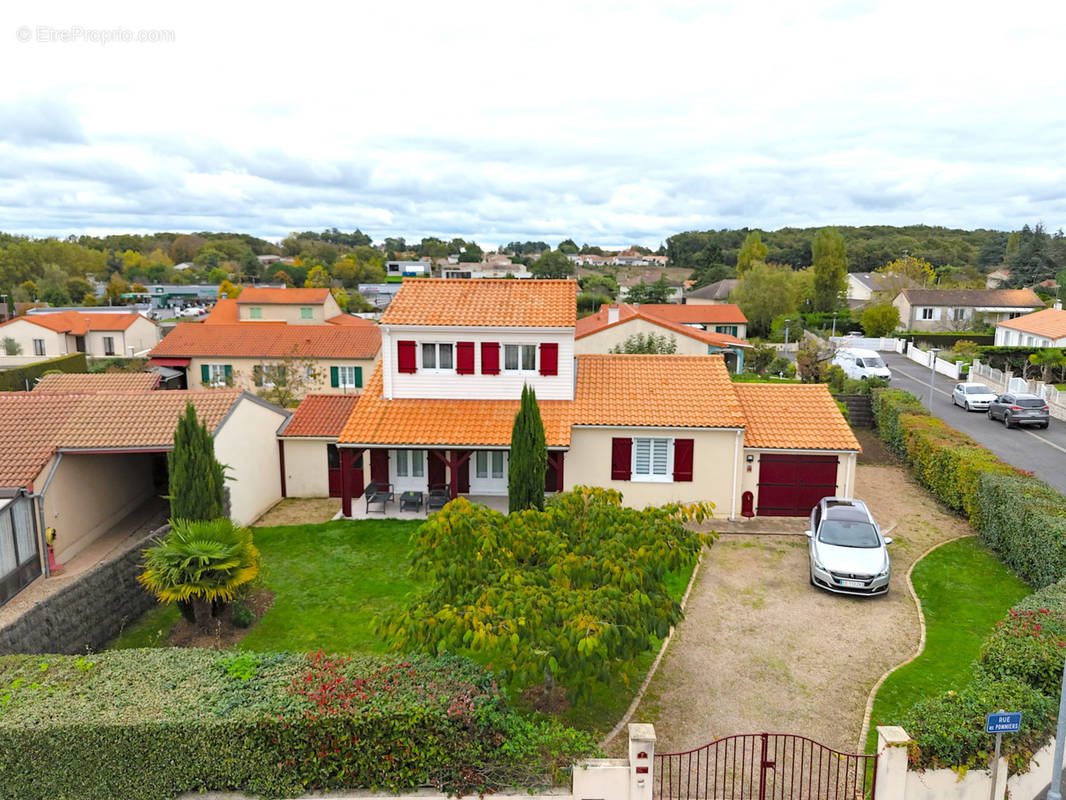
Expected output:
(39, 497)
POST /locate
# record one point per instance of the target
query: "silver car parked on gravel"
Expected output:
(848, 554)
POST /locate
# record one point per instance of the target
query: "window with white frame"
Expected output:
(958, 314)
(410, 463)
(109, 345)
(927, 313)
(489, 464)
(38, 347)
(216, 374)
(437, 355)
(651, 459)
(346, 377)
(519, 357)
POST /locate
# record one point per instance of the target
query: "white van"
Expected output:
(861, 364)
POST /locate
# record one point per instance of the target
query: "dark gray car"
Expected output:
(1017, 408)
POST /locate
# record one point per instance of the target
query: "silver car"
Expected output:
(972, 396)
(847, 552)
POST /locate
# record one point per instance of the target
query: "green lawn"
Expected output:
(964, 591)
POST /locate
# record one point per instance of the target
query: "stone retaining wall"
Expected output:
(87, 613)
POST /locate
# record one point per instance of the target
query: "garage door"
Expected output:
(790, 485)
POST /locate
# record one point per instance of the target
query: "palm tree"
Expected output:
(1048, 359)
(200, 564)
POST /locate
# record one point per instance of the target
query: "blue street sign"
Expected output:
(1004, 722)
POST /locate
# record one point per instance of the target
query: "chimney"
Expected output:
(612, 314)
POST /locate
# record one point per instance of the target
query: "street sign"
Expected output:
(1003, 722)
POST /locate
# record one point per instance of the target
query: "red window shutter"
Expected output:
(682, 459)
(405, 357)
(490, 358)
(621, 458)
(464, 358)
(549, 358)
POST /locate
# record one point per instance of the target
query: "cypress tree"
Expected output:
(196, 477)
(529, 456)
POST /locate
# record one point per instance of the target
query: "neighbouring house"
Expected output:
(409, 269)
(292, 306)
(675, 294)
(98, 334)
(712, 294)
(96, 382)
(81, 463)
(613, 324)
(332, 358)
(307, 445)
(997, 278)
(861, 288)
(1045, 328)
(439, 408)
(961, 309)
(495, 268)
(724, 318)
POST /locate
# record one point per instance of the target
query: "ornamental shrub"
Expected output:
(1024, 521)
(949, 729)
(888, 406)
(197, 479)
(1030, 646)
(150, 724)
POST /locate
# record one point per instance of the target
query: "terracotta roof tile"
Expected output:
(246, 340)
(268, 296)
(321, 415)
(626, 312)
(718, 314)
(79, 324)
(94, 383)
(224, 311)
(1051, 322)
(34, 425)
(994, 298)
(793, 417)
(484, 302)
(466, 423)
(351, 320)
(655, 390)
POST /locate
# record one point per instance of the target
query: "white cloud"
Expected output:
(605, 121)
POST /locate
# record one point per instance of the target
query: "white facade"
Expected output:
(448, 384)
(142, 334)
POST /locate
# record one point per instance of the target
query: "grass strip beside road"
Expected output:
(964, 590)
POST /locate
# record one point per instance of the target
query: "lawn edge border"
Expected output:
(655, 664)
(872, 696)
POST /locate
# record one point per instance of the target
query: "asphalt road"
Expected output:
(1042, 452)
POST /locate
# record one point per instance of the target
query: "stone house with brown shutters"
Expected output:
(439, 407)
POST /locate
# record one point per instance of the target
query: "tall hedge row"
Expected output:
(1020, 517)
(150, 724)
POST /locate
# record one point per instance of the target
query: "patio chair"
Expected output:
(378, 493)
(439, 496)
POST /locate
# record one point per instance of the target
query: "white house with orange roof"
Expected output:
(1045, 328)
(292, 306)
(439, 408)
(694, 330)
(99, 335)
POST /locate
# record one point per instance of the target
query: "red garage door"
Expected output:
(790, 485)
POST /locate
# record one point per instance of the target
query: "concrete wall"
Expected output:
(306, 468)
(602, 341)
(90, 493)
(247, 444)
(290, 312)
(87, 613)
(715, 464)
(243, 370)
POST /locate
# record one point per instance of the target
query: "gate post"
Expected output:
(641, 761)
(890, 776)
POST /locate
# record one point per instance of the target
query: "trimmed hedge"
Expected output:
(1024, 520)
(17, 378)
(889, 405)
(150, 724)
(1028, 646)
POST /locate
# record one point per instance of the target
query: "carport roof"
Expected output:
(35, 425)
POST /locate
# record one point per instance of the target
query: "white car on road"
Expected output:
(972, 396)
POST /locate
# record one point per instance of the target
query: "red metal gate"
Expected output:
(764, 766)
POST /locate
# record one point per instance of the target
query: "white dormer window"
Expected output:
(519, 358)
(438, 356)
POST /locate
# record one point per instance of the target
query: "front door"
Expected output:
(334, 471)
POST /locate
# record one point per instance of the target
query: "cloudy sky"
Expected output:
(611, 122)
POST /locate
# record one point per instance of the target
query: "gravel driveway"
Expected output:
(761, 649)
